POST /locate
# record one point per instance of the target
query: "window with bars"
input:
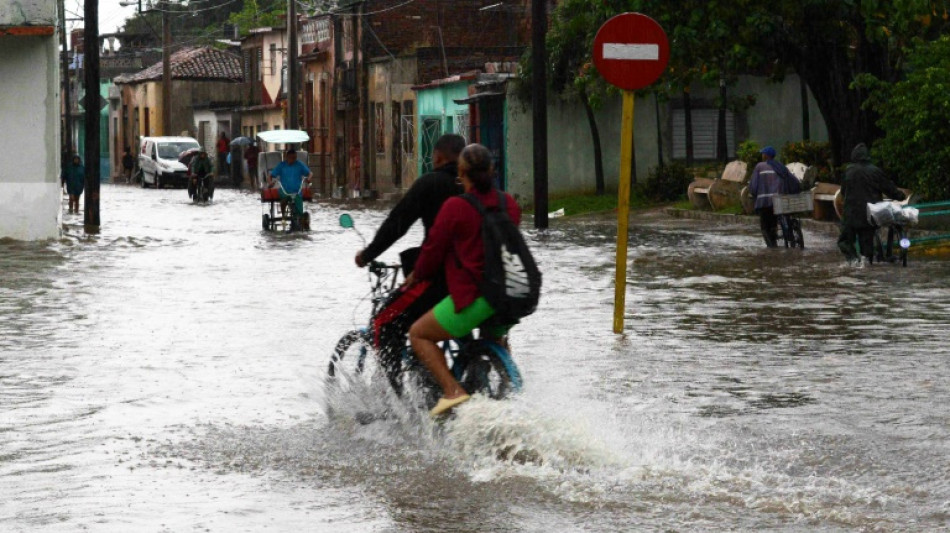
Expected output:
(705, 133)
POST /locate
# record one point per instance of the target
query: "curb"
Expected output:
(817, 226)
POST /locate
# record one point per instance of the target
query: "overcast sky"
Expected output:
(111, 14)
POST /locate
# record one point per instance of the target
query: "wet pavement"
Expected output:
(167, 375)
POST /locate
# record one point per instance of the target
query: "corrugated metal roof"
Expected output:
(202, 63)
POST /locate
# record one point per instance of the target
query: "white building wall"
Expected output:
(30, 194)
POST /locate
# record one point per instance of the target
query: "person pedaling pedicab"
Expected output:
(421, 202)
(291, 176)
(201, 169)
(455, 244)
(770, 178)
(863, 184)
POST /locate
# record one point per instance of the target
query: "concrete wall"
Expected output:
(30, 194)
(570, 148)
(774, 120)
(389, 81)
(27, 12)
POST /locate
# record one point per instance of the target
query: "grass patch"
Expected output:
(580, 204)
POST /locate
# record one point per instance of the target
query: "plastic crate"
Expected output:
(784, 204)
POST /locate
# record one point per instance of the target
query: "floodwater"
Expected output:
(167, 375)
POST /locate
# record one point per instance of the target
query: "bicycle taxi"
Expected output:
(278, 213)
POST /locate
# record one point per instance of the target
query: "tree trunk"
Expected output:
(722, 145)
(829, 66)
(598, 153)
(688, 117)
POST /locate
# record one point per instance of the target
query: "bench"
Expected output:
(719, 193)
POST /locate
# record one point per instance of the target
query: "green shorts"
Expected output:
(462, 323)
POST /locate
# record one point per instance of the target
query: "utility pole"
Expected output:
(67, 108)
(539, 108)
(166, 70)
(93, 100)
(293, 80)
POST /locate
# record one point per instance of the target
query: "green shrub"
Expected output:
(748, 152)
(666, 183)
(913, 116)
(814, 154)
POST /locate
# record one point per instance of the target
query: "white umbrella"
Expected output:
(284, 136)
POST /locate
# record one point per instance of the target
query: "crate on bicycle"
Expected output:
(786, 204)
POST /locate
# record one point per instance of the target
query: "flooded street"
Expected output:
(167, 375)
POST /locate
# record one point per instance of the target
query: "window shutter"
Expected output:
(705, 133)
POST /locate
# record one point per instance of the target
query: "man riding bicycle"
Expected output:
(422, 201)
(201, 169)
(291, 176)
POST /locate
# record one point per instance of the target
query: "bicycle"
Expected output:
(271, 196)
(481, 366)
(786, 207)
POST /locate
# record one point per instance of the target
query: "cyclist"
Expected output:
(422, 201)
(200, 169)
(291, 174)
(770, 178)
(455, 244)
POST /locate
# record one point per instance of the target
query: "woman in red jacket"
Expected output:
(455, 244)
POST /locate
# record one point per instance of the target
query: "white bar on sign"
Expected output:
(632, 52)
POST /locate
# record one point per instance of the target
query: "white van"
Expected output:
(158, 160)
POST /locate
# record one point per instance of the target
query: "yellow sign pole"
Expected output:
(623, 209)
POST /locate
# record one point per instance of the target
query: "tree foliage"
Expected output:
(828, 42)
(915, 118)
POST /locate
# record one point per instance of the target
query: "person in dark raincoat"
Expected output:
(74, 176)
(770, 178)
(863, 184)
(201, 169)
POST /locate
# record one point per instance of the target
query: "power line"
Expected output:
(390, 8)
(191, 11)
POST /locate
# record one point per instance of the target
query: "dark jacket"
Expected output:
(200, 167)
(74, 176)
(864, 184)
(422, 201)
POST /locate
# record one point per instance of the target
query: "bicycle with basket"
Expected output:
(786, 208)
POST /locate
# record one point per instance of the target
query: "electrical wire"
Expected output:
(192, 11)
(384, 10)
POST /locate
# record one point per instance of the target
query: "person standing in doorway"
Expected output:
(128, 163)
(251, 156)
(223, 148)
(74, 176)
(863, 184)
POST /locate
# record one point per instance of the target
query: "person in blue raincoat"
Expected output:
(74, 176)
(770, 178)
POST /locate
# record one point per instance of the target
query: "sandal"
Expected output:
(446, 404)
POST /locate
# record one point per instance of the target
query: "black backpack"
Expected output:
(511, 282)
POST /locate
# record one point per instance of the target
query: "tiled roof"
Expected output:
(202, 63)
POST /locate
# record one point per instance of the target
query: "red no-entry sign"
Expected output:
(631, 51)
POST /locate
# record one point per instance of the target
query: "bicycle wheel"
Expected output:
(797, 232)
(481, 372)
(349, 356)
